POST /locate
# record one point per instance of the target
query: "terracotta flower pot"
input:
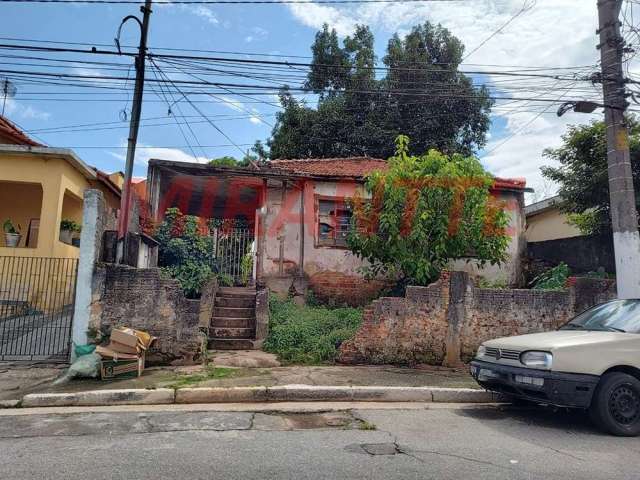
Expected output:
(12, 239)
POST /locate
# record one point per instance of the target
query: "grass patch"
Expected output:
(308, 334)
(364, 425)
(211, 373)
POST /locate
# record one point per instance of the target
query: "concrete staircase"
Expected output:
(233, 324)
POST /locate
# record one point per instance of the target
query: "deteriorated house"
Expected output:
(296, 214)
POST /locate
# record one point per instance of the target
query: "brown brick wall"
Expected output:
(402, 330)
(344, 289)
(428, 323)
(142, 299)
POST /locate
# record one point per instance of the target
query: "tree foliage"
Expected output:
(257, 153)
(421, 94)
(426, 211)
(582, 173)
(185, 251)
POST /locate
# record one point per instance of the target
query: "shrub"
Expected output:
(185, 252)
(308, 334)
(553, 279)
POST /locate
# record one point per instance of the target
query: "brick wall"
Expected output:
(402, 330)
(439, 324)
(342, 288)
(142, 299)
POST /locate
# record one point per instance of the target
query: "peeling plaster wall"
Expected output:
(511, 270)
(326, 269)
(333, 273)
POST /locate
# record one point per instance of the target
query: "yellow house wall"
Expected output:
(56, 176)
(20, 202)
(549, 225)
(45, 283)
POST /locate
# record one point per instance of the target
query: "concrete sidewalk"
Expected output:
(16, 381)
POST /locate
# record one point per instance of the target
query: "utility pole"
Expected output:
(624, 217)
(136, 108)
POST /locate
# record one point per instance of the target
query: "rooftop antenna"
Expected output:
(8, 90)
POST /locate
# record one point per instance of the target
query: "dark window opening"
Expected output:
(334, 222)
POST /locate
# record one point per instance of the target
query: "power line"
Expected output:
(525, 8)
(227, 2)
(287, 64)
(270, 89)
(282, 55)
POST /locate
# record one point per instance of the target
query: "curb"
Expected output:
(286, 393)
(94, 398)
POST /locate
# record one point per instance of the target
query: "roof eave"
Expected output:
(67, 154)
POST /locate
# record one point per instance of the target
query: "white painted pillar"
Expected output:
(90, 243)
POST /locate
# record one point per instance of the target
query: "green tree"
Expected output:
(184, 252)
(582, 173)
(422, 94)
(225, 161)
(426, 211)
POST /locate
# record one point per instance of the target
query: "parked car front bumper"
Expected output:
(554, 388)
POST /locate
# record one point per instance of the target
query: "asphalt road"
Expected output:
(443, 443)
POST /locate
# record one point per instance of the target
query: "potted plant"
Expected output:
(67, 230)
(12, 234)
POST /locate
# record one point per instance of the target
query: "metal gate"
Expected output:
(234, 251)
(36, 308)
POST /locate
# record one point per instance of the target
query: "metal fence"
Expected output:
(36, 308)
(234, 251)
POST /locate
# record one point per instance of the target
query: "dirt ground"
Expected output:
(18, 380)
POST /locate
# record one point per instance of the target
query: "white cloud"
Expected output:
(231, 103)
(15, 109)
(144, 153)
(205, 13)
(553, 33)
(257, 34)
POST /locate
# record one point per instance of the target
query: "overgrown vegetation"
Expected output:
(308, 334)
(553, 279)
(185, 252)
(426, 211)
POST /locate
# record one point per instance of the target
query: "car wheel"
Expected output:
(615, 406)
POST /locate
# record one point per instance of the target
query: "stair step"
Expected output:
(244, 333)
(236, 292)
(235, 302)
(230, 344)
(230, 322)
(234, 312)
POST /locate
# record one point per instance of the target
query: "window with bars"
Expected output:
(334, 221)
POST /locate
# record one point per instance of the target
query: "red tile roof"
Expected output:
(331, 167)
(15, 135)
(357, 167)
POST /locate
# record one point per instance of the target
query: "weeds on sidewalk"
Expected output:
(210, 373)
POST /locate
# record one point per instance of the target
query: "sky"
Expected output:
(550, 33)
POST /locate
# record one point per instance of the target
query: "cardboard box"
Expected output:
(119, 369)
(108, 352)
(119, 347)
(123, 337)
(125, 354)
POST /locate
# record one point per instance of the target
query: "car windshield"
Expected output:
(614, 316)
